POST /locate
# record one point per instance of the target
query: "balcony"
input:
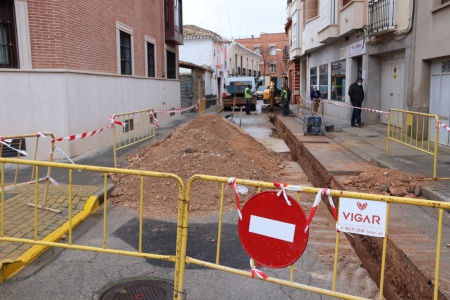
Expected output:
(381, 17)
(173, 22)
(328, 27)
(352, 16)
(328, 34)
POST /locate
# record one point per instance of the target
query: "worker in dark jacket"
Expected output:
(356, 93)
(248, 98)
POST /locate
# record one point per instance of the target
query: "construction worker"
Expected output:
(285, 101)
(248, 98)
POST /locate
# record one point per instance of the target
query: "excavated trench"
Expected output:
(403, 280)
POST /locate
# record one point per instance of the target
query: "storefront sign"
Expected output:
(355, 49)
(362, 217)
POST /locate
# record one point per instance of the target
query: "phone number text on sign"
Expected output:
(362, 217)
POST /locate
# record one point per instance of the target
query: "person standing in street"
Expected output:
(356, 93)
(285, 101)
(248, 98)
(315, 98)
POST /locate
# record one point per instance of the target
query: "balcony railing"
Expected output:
(381, 16)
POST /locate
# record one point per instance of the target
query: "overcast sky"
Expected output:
(236, 18)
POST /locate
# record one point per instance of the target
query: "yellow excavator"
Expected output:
(272, 95)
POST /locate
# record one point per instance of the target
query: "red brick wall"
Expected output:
(280, 39)
(81, 35)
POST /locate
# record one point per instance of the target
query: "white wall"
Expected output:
(199, 52)
(202, 52)
(68, 103)
(310, 38)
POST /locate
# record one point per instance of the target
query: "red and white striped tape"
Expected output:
(346, 105)
(257, 272)
(153, 120)
(444, 126)
(90, 133)
(176, 110)
(283, 187)
(237, 189)
(319, 194)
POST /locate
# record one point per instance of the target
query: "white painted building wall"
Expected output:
(67, 103)
(202, 52)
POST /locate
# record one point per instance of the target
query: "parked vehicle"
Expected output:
(260, 92)
(235, 87)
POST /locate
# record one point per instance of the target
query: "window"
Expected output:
(257, 49)
(444, 1)
(446, 66)
(345, 2)
(125, 54)
(323, 81)
(124, 36)
(171, 65)
(313, 77)
(8, 43)
(150, 56)
(272, 50)
(294, 30)
(338, 80)
(272, 68)
(239, 70)
(243, 71)
(178, 16)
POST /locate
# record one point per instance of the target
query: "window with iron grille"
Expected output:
(446, 66)
(381, 15)
(18, 144)
(171, 65)
(125, 54)
(129, 125)
(8, 43)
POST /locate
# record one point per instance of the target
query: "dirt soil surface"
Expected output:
(211, 145)
(387, 182)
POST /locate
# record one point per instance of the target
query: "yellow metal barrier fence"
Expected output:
(68, 226)
(413, 129)
(441, 206)
(139, 126)
(21, 139)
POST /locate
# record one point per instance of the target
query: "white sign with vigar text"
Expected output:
(362, 217)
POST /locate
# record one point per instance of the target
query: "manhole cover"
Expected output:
(140, 290)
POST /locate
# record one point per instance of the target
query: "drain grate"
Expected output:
(140, 290)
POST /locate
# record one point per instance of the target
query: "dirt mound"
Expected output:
(386, 182)
(209, 145)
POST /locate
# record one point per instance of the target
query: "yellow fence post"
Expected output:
(403, 121)
(139, 126)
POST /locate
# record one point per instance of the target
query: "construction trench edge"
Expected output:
(403, 279)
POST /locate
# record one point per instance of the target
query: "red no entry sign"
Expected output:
(271, 231)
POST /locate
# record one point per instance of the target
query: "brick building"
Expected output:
(273, 48)
(65, 66)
